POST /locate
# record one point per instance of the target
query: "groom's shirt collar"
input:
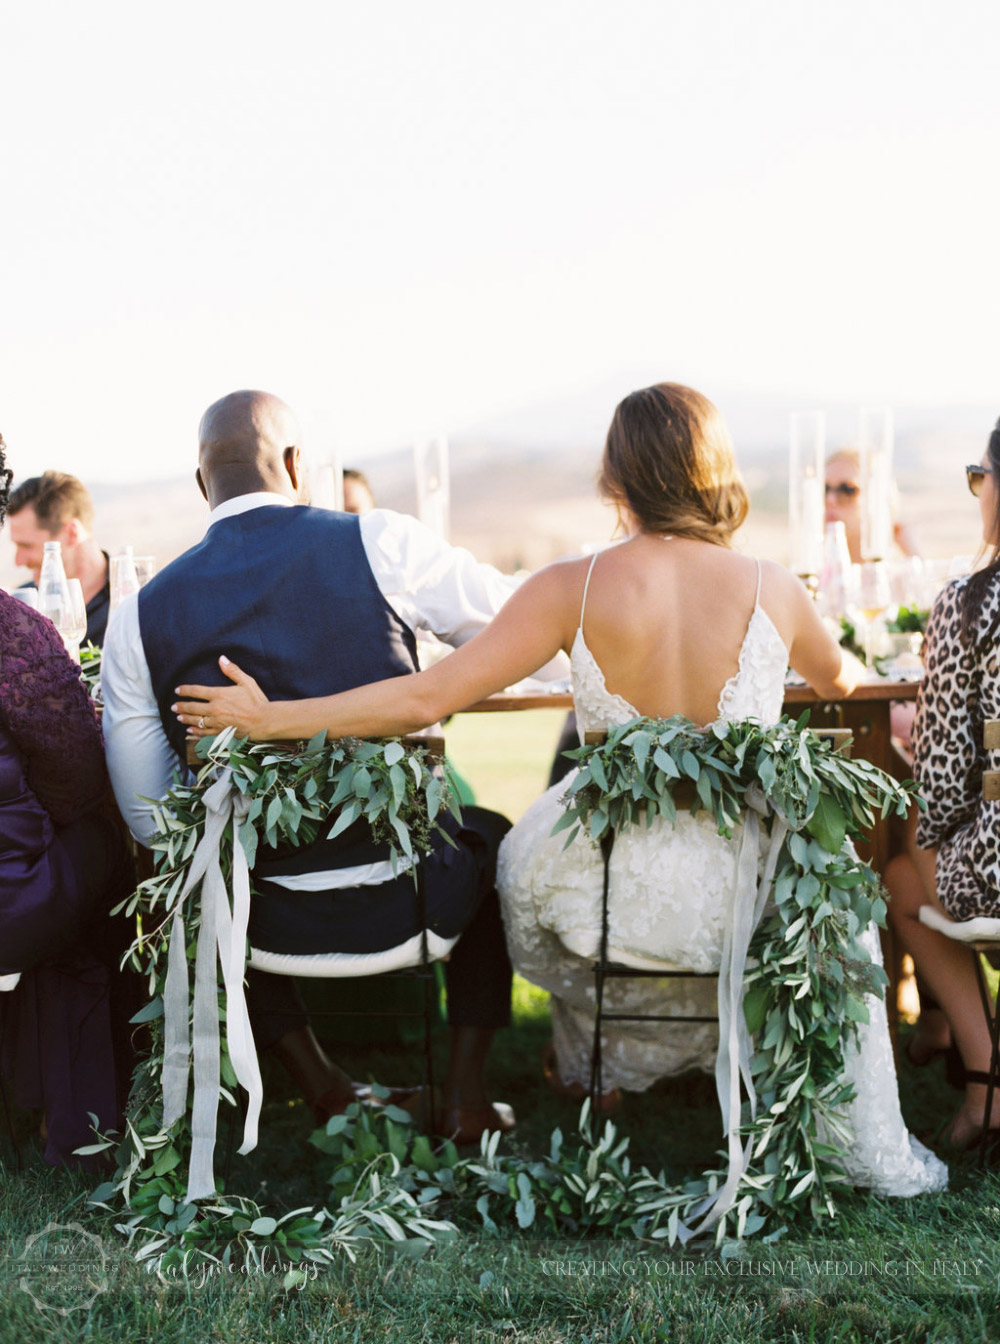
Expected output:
(229, 508)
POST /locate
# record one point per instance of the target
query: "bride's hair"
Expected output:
(669, 460)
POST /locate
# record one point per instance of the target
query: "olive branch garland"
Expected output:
(295, 792)
(90, 670)
(807, 975)
(805, 986)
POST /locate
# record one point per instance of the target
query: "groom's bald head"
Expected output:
(249, 441)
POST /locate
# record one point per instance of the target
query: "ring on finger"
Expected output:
(201, 722)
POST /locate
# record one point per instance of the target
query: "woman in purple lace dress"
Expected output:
(63, 865)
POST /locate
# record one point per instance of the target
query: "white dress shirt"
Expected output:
(428, 583)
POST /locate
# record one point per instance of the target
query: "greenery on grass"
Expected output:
(894, 1272)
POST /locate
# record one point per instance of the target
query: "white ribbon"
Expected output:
(222, 937)
(735, 1057)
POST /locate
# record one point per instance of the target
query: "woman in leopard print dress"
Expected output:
(959, 834)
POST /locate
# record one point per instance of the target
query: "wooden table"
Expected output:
(866, 713)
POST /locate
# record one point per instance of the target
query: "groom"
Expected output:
(312, 602)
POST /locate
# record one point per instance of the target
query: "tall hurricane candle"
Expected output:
(430, 459)
(875, 440)
(805, 491)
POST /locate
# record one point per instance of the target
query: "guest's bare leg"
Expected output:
(322, 1083)
(464, 1083)
(906, 891)
(949, 969)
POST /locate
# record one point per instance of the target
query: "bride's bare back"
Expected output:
(665, 620)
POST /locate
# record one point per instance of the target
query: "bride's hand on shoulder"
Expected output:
(206, 710)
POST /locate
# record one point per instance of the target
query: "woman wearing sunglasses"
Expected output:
(958, 862)
(843, 503)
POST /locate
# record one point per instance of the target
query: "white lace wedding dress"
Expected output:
(668, 886)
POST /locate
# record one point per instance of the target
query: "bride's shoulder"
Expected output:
(779, 581)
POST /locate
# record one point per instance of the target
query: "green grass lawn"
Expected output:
(920, 1270)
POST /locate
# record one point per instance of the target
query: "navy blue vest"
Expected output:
(289, 595)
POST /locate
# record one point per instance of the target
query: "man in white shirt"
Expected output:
(311, 602)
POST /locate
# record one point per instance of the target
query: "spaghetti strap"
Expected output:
(756, 601)
(583, 604)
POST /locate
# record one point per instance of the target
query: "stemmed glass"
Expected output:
(75, 626)
(874, 596)
(66, 609)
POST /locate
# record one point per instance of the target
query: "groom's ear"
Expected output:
(292, 460)
(201, 484)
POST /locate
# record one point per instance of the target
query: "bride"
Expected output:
(669, 621)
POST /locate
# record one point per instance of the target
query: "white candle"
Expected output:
(806, 501)
(813, 504)
(430, 458)
(875, 438)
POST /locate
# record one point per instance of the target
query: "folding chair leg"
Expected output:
(426, 1117)
(596, 1061)
(993, 1076)
(8, 1114)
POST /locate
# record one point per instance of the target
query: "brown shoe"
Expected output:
(466, 1125)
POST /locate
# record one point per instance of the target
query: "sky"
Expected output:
(408, 219)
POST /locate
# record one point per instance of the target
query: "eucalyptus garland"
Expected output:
(807, 975)
(297, 793)
(90, 670)
(805, 995)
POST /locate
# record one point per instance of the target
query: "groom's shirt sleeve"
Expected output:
(430, 584)
(435, 586)
(141, 761)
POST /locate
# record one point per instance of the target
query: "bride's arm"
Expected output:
(532, 626)
(830, 670)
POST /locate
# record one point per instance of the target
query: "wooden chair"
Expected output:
(393, 965)
(607, 967)
(982, 936)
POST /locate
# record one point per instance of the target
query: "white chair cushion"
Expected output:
(968, 931)
(348, 965)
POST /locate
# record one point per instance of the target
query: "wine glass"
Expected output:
(63, 604)
(129, 573)
(874, 596)
(74, 622)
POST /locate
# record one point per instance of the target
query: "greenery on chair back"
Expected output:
(804, 995)
(808, 974)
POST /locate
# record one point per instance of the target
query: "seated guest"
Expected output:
(957, 867)
(358, 496)
(844, 504)
(63, 865)
(313, 602)
(58, 507)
